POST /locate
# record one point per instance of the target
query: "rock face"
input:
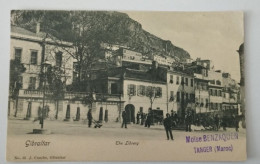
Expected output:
(110, 27)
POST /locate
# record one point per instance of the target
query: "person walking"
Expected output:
(167, 122)
(216, 120)
(188, 121)
(138, 118)
(89, 118)
(124, 119)
(142, 118)
(149, 120)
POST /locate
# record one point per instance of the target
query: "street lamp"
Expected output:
(45, 66)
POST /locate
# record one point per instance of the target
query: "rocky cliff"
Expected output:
(109, 27)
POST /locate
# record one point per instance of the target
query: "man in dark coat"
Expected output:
(216, 120)
(89, 118)
(124, 119)
(167, 122)
(149, 120)
(138, 118)
(188, 121)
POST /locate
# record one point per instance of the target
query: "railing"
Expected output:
(200, 76)
(67, 95)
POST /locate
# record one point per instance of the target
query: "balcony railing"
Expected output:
(200, 76)
(68, 95)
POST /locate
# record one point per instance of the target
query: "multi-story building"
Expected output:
(136, 90)
(201, 81)
(163, 60)
(215, 88)
(180, 96)
(230, 94)
(31, 49)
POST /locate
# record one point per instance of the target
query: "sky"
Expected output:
(206, 35)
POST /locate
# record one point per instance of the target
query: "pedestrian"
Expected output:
(236, 123)
(124, 120)
(188, 121)
(89, 118)
(145, 120)
(216, 120)
(224, 123)
(167, 125)
(149, 120)
(138, 118)
(142, 118)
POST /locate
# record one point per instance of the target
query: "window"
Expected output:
(216, 92)
(171, 96)
(34, 55)
(212, 82)
(211, 92)
(192, 97)
(207, 103)
(141, 90)
(177, 80)
(171, 79)
(218, 82)
(178, 96)
(32, 83)
(58, 58)
(20, 82)
(186, 81)
(211, 106)
(182, 80)
(220, 93)
(75, 66)
(131, 90)
(191, 82)
(18, 54)
(158, 92)
(187, 96)
(114, 88)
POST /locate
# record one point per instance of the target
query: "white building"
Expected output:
(180, 88)
(31, 49)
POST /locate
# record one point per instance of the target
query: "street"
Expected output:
(108, 130)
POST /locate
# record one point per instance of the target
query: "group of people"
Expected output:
(144, 118)
(141, 118)
(215, 122)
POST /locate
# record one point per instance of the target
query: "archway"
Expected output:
(130, 113)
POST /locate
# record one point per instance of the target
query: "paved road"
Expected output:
(108, 130)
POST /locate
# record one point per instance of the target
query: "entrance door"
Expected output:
(130, 113)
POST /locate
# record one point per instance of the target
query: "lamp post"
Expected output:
(45, 65)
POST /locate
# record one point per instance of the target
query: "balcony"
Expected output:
(200, 76)
(30, 68)
(69, 95)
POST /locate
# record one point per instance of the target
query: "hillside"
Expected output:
(107, 26)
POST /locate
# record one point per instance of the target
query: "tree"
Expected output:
(56, 80)
(16, 70)
(150, 93)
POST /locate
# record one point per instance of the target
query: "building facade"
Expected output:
(181, 95)
(29, 50)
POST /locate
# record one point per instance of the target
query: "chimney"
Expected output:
(38, 28)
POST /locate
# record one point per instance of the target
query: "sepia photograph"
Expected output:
(126, 86)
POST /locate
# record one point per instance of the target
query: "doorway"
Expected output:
(130, 113)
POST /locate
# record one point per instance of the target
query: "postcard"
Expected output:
(126, 86)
